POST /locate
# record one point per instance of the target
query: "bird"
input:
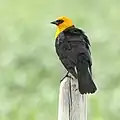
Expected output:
(73, 49)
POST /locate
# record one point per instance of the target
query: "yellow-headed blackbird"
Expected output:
(73, 49)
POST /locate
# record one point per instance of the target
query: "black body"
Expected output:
(73, 49)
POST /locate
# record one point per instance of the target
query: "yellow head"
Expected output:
(62, 23)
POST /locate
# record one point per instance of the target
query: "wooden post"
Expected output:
(72, 105)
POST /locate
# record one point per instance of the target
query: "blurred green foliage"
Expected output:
(30, 70)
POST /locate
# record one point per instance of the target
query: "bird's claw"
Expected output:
(64, 77)
(67, 75)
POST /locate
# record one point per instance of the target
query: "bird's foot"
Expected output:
(67, 75)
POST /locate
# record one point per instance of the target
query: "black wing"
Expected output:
(69, 44)
(79, 40)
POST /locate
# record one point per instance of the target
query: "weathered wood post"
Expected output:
(72, 105)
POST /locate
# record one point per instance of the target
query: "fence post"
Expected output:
(72, 105)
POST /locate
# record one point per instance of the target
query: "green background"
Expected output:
(29, 67)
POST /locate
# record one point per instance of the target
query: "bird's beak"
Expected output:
(54, 22)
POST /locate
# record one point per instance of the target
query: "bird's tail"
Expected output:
(85, 82)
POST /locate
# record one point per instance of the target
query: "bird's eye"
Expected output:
(59, 21)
